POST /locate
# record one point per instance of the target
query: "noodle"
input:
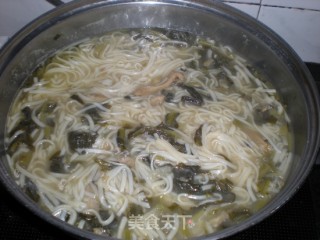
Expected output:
(148, 134)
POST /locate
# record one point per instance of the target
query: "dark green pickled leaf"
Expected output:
(48, 107)
(186, 187)
(31, 190)
(223, 185)
(239, 215)
(224, 80)
(94, 114)
(266, 168)
(185, 181)
(26, 124)
(171, 119)
(163, 132)
(222, 61)
(146, 160)
(135, 210)
(168, 96)
(104, 214)
(136, 132)
(45, 112)
(84, 121)
(50, 122)
(195, 97)
(92, 221)
(121, 139)
(204, 93)
(181, 36)
(190, 100)
(219, 58)
(143, 36)
(185, 173)
(77, 98)
(78, 140)
(24, 159)
(228, 197)
(57, 36)
(178, 146)
(23, 138)
(194, 64)
(264, 186)
(198, 136)
(265, 115)
(58, 164)
(27, 111)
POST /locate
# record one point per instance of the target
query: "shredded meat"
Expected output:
(127, 160)
(99, 97)
(257, 138)
(148, 90)
(157, 100)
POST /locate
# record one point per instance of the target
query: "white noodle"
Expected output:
(122, 225)
(115, 173)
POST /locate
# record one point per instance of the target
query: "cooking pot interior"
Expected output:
(266, 52)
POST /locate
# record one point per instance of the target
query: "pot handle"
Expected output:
(55, 2)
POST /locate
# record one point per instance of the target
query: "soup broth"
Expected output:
(148, 134)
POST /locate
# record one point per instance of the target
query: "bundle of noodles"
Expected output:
(149, 124)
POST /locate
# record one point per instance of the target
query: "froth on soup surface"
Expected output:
(148, 134)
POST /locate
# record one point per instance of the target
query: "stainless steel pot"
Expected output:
(266, 51)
